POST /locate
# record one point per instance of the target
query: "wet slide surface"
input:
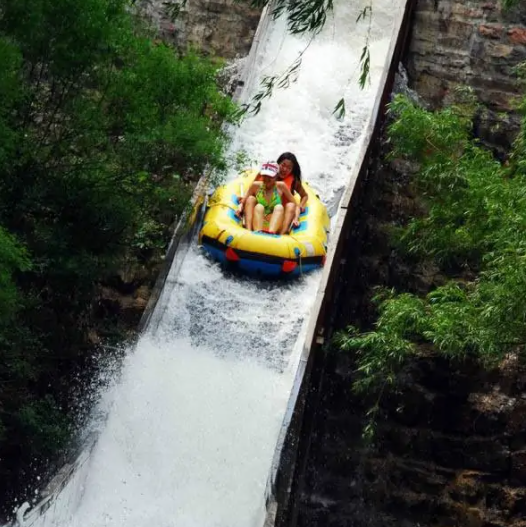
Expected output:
(191, 426)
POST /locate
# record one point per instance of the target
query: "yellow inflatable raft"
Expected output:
(226, 240)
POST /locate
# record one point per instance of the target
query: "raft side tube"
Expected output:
(258, 263)
(224, 237)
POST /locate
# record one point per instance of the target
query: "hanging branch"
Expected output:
(365, 58)
(303, 16)
(307, 16)
(269, 83)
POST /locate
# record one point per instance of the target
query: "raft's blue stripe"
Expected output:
(217, 254)
(232, 215)
(302, 227)
(255, 267)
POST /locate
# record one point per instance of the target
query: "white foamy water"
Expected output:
(193, 423)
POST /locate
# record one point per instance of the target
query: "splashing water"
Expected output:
(192, 424)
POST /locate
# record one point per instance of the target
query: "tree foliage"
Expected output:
(102, 130)
(13, 259)
(475, 220)
(302, 16)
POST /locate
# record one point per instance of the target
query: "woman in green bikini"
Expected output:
(262, 203)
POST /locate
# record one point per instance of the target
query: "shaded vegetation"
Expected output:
(102, 130)
(472, 229)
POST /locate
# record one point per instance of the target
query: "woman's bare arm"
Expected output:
(303, 195)
(250, 192)
(288, 194)
(285, 191)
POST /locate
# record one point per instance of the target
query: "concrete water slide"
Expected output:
(64, 494)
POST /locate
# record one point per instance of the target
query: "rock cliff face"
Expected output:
(224, 28)
(453, 446)
(451, 452)
(475, 43)
(450, 446)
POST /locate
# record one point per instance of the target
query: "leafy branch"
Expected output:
(475, 219)
(269, 84)
(302, 16)
(365, 58)
(306, 16)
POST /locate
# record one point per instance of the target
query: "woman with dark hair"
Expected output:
(262, 204)
(290, 174)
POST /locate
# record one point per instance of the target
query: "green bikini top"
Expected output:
(262, 199)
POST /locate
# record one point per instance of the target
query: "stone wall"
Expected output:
(223, 28)
(453, 446)
(450, 445)
(450, 452)
(474, 43)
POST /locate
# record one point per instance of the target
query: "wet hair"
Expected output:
(296, 169)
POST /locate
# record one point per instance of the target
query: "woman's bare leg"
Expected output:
(259, 217)
(290, 211)
(250, 203)
(276, 219)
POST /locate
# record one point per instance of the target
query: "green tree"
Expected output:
(475, 219)
(13, 259)
(102, 132)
